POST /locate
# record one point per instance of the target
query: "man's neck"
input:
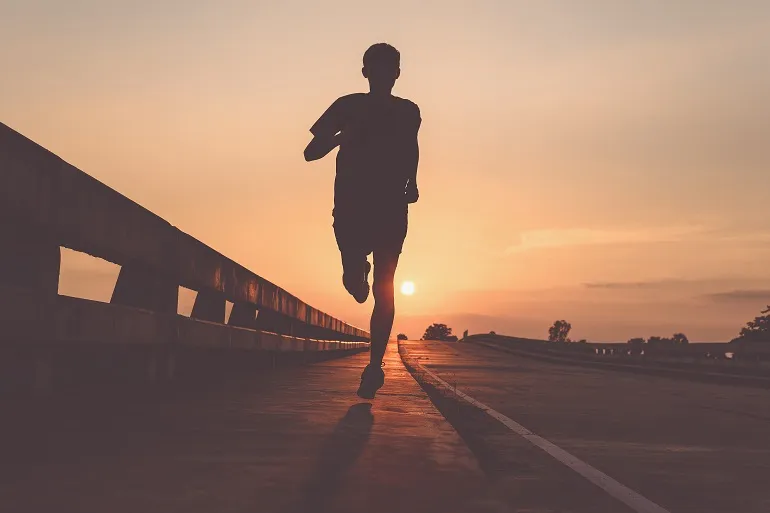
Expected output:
(376, 93)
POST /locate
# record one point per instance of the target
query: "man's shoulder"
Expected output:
(408, 105)
(349, 99)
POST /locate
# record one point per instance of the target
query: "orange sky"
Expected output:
(601, 163)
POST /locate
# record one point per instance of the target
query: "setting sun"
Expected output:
(407, 288)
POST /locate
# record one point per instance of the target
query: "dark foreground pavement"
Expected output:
(288, 440)
(298, 439)
(686, 446)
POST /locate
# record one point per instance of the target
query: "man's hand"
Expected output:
(412, 194)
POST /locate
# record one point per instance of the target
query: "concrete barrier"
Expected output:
(46, 203)
(143, 345)
(710, 371)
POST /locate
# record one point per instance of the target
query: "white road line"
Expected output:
(622, 493)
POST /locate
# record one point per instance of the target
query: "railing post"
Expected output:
(138, 287)
(209, 306)
(29, 258)
(243, 315)
(268, 320)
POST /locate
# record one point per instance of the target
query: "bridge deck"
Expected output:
(298, 439)
(294, 439)
(685, 445)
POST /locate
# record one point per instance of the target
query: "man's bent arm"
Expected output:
(412, 194)
(320, 146)
(413, 153)
(413, 162)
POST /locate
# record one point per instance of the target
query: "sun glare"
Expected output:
(407, 288)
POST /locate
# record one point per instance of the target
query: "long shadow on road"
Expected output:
(338, 454)
(477, 429)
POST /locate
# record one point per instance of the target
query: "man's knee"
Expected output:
(383, 292)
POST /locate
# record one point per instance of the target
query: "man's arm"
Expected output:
(412, 193)
(321, 145)
(326, 132)
(412, 161)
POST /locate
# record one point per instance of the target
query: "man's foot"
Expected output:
(372, 380)
(358, 286)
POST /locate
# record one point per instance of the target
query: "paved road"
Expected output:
(687, 446)
(298, 439)
(289, 440)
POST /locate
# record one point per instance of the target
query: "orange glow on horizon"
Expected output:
(572, 163)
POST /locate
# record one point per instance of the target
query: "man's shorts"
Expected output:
(363, 231)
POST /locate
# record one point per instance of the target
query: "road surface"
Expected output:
(686, 446)
(298, 439)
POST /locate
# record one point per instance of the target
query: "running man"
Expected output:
(376, 180)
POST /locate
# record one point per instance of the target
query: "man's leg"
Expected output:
(355, 266)
(385, 263)
(388, 230)
(373, 377)
(355, 271)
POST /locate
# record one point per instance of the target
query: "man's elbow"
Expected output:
(309, 154)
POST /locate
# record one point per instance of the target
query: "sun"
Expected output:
(407, 288)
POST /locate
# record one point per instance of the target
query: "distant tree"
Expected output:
(659, 342)
(655, 341)
(757, 330)
(559, 331)
(401, 336)
(636, 345)
(582, 341)
(492, 333)
(437, 332)
(680, 339)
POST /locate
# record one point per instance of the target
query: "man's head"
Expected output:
(382, 66)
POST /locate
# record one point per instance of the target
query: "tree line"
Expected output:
(757, 330)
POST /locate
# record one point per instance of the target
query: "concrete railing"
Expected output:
(695, 357)
(46, 204)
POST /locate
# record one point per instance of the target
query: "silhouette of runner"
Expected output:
(376, 180)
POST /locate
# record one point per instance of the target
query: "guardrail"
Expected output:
(688, 352)
(46, 203)
(704, 360)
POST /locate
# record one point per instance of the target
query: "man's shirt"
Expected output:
(378, 152)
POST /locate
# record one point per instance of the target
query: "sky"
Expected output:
(601, 162)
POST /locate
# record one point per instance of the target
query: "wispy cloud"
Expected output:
(741, 296)
(545, 239)
(625, 285)
(576, 237)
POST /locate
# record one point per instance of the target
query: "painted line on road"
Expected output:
(624, 494)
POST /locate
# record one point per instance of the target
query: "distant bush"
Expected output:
(559, 331)
(438, 332)
(757, 330)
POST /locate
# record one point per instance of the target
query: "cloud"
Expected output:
(546, 239)
(576, 237)
(625, 285)
(741, 296)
